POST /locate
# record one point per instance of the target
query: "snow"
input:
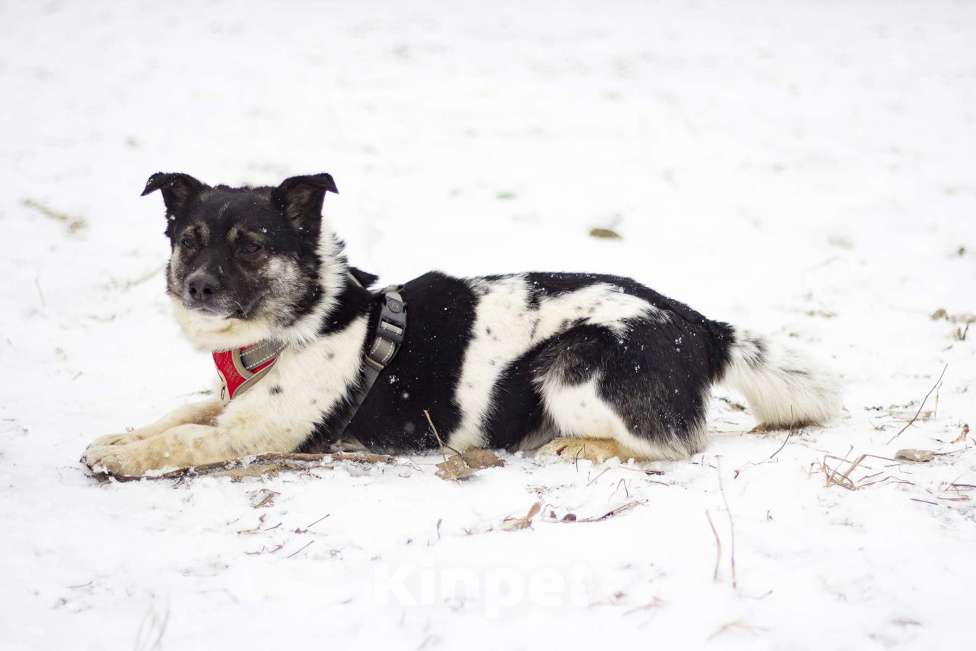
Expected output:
(797, 168)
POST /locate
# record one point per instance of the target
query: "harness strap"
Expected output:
(390, 328)
(242, 368)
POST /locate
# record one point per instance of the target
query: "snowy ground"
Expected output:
(802, 169)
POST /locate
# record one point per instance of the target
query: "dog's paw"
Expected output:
(572, 449)
(130, 460)
(185, 445)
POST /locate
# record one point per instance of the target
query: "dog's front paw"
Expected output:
(131, 460)
(185, 445)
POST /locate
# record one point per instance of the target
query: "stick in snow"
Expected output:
(909, 423)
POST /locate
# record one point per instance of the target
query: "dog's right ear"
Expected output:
(177, 189)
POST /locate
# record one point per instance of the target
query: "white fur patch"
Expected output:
(210, 332)
(601, 304)
(313, 380)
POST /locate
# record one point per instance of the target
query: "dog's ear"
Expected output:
(177, 189)
(300, 197)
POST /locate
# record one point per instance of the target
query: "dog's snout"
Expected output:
(202, 288)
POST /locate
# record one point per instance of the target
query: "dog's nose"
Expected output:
(202, 287)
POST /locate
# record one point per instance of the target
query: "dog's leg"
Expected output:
(249, 425)
(198, 413)
(183, 445)
(600, 426)
(246, 427)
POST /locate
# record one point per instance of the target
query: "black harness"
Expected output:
(390, 328)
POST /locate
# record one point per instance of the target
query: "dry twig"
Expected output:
(728, 511)
(785, 441)
(617, 510)
(789, 433)
(843, 479)
(718, 545)
(437, 436)
(257, 465)
(307, 527)
(603, 472)
(919, 411)
(303, 548)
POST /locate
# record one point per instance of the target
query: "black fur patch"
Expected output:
(353, 302)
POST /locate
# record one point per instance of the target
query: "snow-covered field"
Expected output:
(798, 168)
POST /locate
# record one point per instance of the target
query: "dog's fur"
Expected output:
(498, 361)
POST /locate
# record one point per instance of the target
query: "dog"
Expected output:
(310, 356)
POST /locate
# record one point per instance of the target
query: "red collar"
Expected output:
(241, 368)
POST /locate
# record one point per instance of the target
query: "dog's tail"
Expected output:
(783, 386)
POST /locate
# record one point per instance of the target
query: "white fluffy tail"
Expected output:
(783, 387)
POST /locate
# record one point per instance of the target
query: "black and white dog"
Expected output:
(308, 353)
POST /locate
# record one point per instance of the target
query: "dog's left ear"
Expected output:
(300, 197)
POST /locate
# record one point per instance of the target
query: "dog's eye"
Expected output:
(188, 242)
(248, 247)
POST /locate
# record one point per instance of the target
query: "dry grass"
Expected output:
(75, 226)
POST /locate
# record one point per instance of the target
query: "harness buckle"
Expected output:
(390, 330)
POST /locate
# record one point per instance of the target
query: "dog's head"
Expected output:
(249, 263)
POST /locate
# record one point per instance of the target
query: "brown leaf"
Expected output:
(478, 458)
(823, 314)
(454, 467)
(604, 233)
(962, 434)
(915, 456)
(462, 466)
(515, 524)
